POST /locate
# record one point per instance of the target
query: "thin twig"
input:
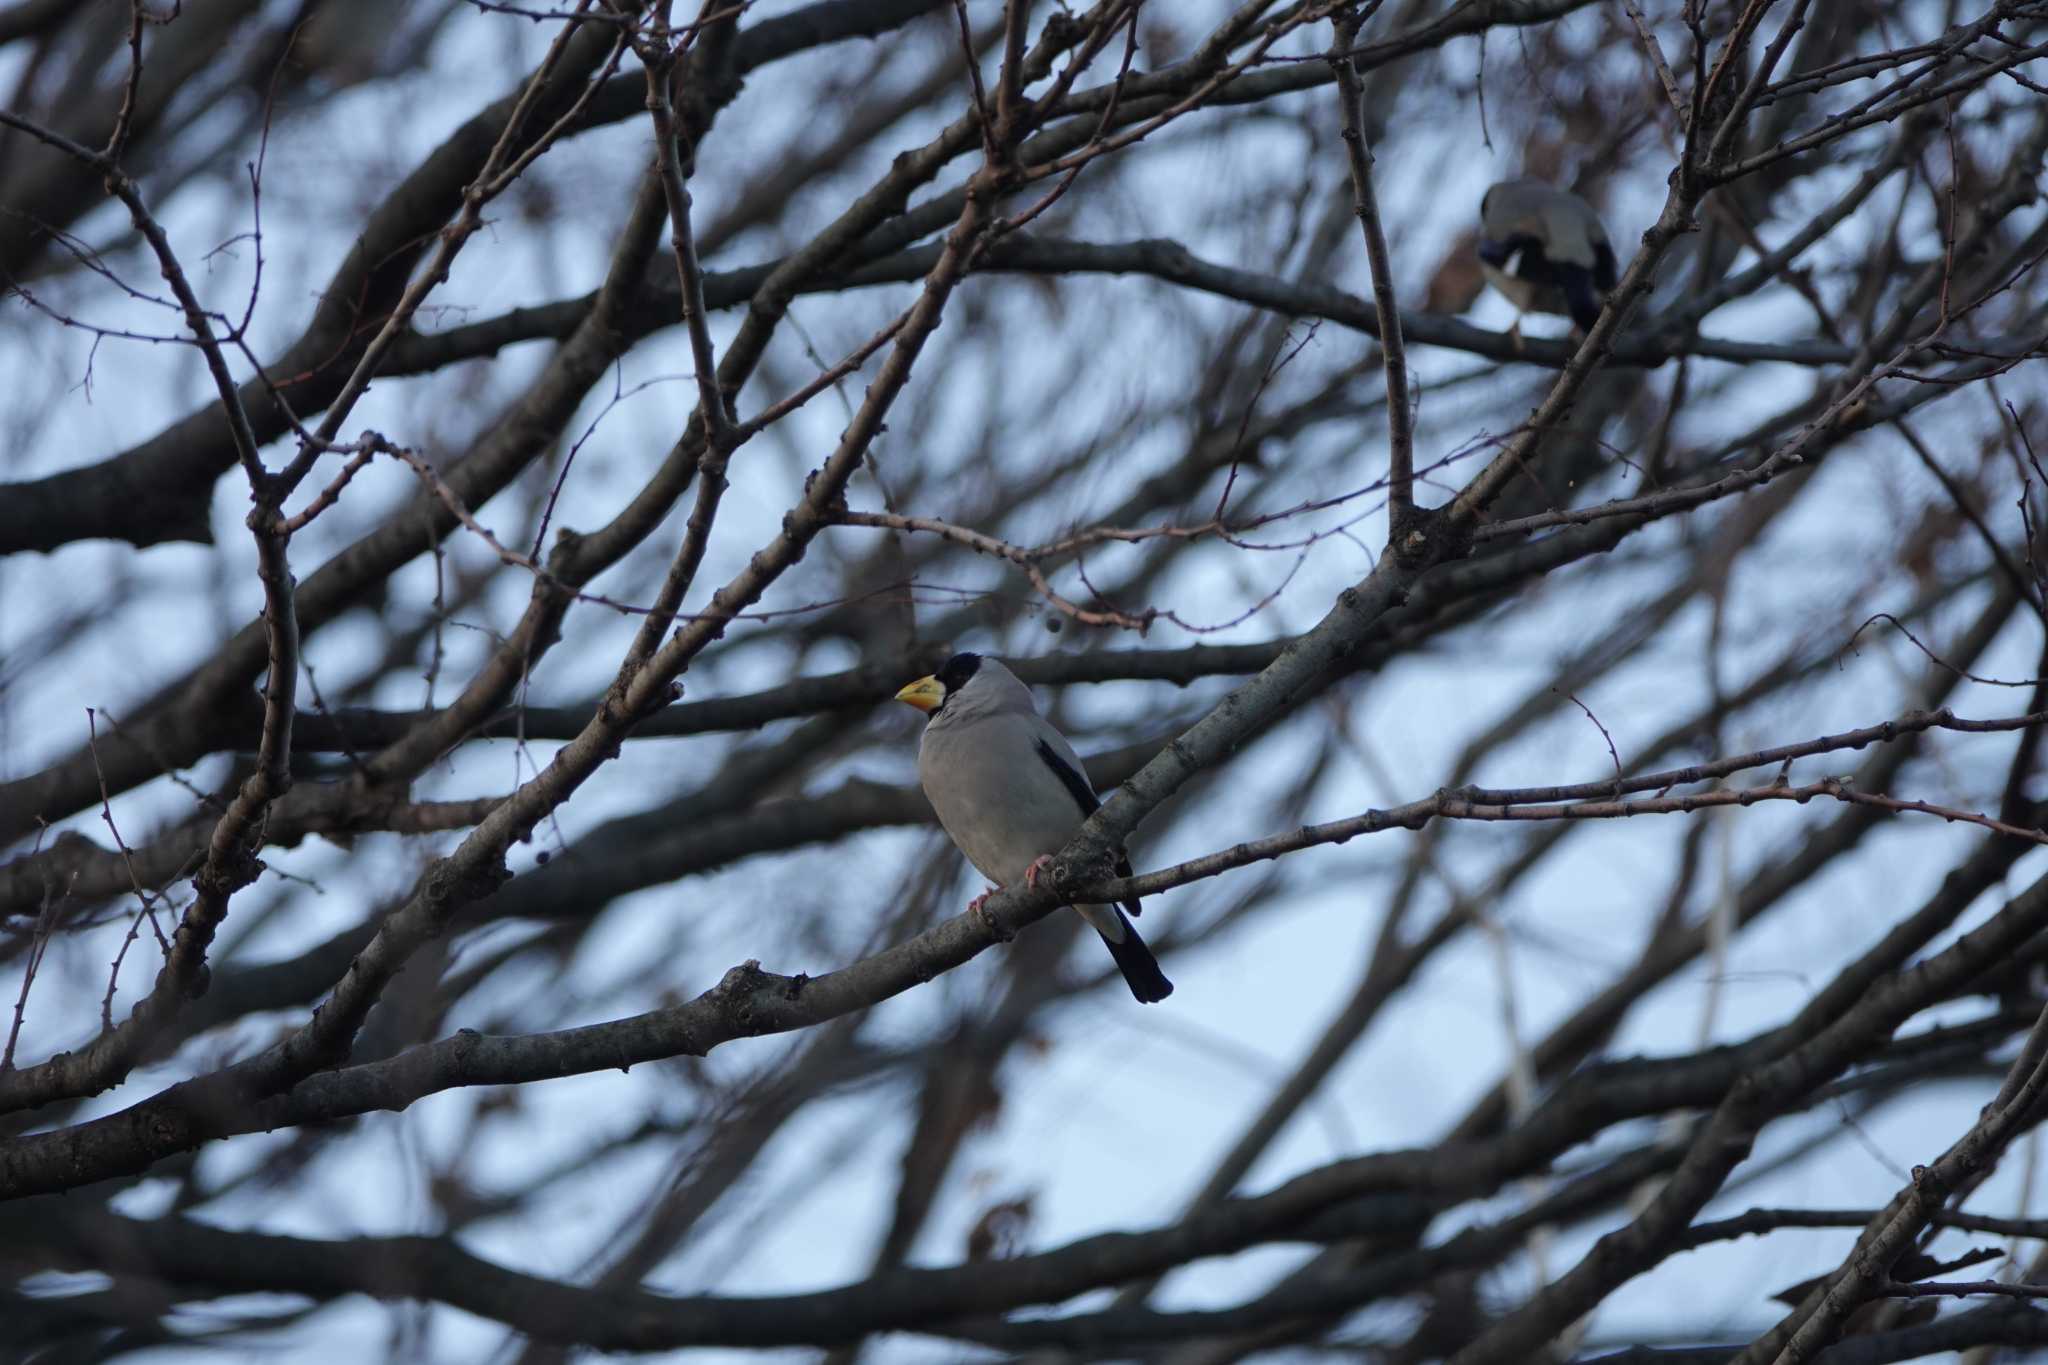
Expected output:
(1365, 204)
(1600, 801)
(662, 57)
(1657, 62)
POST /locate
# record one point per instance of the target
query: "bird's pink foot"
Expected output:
(978, 907)
(1038, 865)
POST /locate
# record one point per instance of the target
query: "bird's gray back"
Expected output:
(1566, 224)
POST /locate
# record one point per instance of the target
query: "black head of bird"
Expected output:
(1544, 249)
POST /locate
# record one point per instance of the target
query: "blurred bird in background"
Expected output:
(1544, 249)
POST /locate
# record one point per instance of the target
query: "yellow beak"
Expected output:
(925, 694)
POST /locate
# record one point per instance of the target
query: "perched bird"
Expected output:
(1544, 249)
(1010, 791)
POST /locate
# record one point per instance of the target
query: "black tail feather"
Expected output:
(1577, 283)
(1123, 869)
(1140, 968)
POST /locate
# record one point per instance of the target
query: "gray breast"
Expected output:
(994, 794)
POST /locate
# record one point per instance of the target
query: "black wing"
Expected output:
(1520, 254)
(1603, 266)
(1084, 797)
